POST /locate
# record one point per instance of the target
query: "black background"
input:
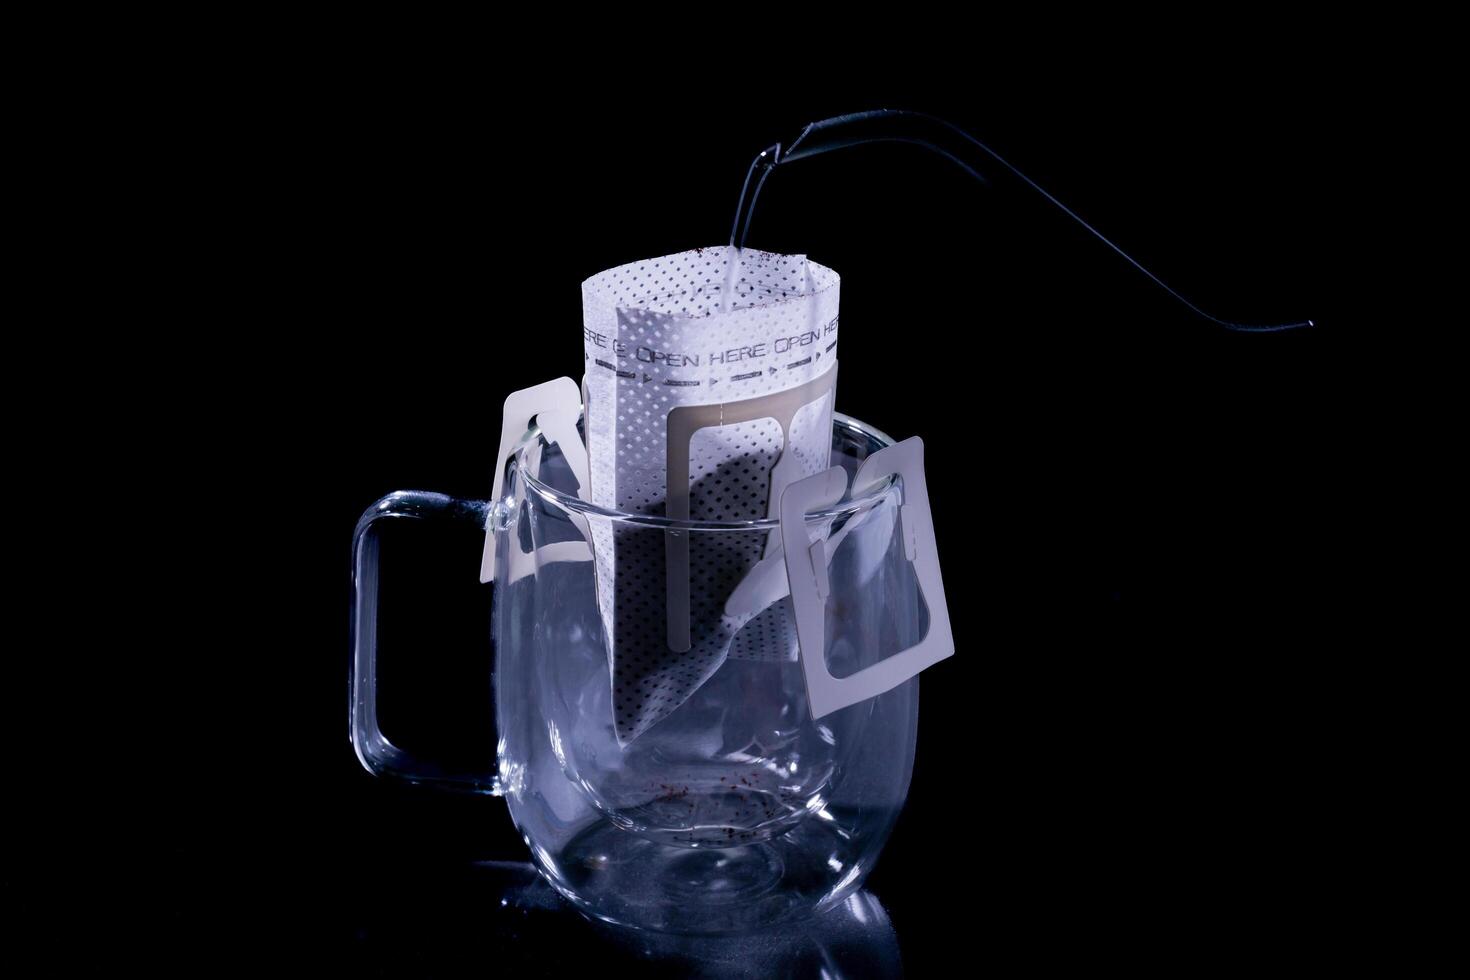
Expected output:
(1143, 746)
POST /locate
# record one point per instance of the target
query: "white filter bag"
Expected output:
(735, 353)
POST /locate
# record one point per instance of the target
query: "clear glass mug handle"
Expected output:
(377, 754)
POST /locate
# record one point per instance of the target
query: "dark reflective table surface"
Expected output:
(502, 916)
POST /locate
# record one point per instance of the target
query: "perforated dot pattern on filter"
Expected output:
(703, 327)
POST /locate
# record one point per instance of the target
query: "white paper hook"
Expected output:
(806, 570)
(555, 404)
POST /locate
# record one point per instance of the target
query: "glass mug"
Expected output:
(739, 809)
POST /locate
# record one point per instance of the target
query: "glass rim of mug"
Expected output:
(847, 506)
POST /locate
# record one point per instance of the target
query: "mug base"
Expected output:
(629, 880)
